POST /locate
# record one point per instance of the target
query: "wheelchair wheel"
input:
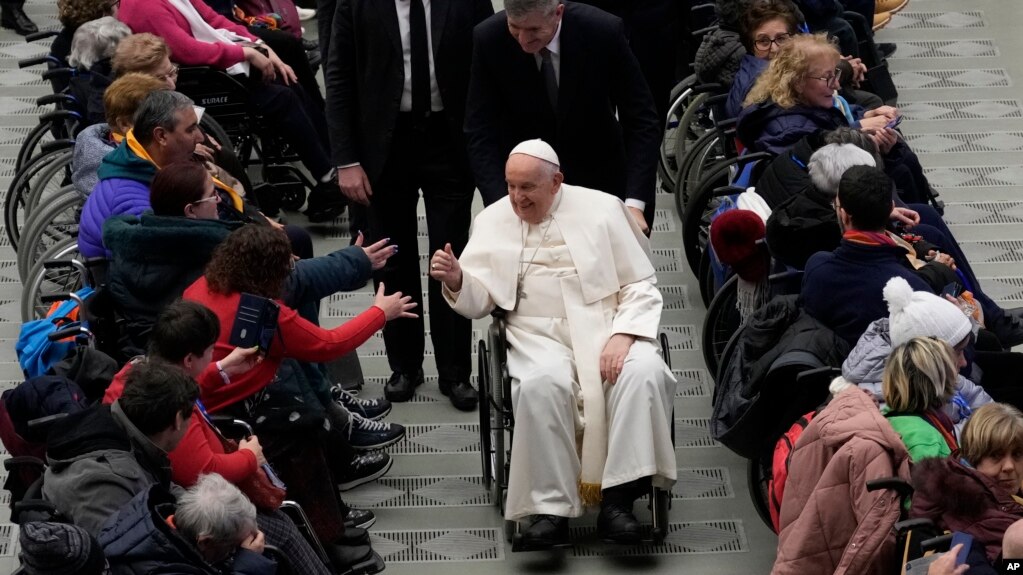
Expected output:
(16, 200)
(42, 132)
(49, 183)
(43, 281)
(702, 204)
(705, 276)
(49, 225)
(485, 413)
(501, 410)
(758, 478)
(721, 323)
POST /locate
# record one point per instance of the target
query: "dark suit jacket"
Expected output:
(365, 74)
(599, 76)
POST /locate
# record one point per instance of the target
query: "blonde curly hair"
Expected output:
(780, 82)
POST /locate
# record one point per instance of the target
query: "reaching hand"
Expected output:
(355, 184)
(378, 252)
(241, 360)
(444, 267)
(612, 358)
(394, 305)
(946, 564)
(252, 444)
(637, 214)
(255, 543)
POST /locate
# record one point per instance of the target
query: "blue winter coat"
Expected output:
(843, 289)
(123, 189)
(750, 68)
(769, 127)
(138, 541)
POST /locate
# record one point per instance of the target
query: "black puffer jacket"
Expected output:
(139, 541)
(757, 398)
(801, 226)
(717, 58)
(786, 175)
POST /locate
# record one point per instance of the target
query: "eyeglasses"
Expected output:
(834, 78)
(214, 198)
(764, 43)
(172, 74)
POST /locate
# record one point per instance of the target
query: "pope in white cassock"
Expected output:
(591, 395)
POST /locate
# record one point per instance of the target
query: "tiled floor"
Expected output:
(955, 69)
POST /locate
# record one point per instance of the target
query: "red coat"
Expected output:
(160, 18)
(296, 338)
(200, 450)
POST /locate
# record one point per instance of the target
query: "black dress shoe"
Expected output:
(12, 16)
(546, 531)
(461, 394)
(401, 387)
(346, 558)
(617, 524)
(325, 202)
(354, 536)
(886, 49)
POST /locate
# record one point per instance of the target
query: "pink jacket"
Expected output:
(160, 18)
(830, 523)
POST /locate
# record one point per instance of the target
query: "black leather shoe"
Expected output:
(360, 518)
(346, 557)
(546, 531)
(886, 49)
(461, 394)
(401, 387)
(325, 202)
(354, 536)
(617, 524)
(12, 16)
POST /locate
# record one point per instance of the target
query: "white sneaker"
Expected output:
(305, 13)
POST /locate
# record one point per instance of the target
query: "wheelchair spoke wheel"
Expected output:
(706, 279)
(721, 323)
(758, 478)
(42, 281)
(702, 205)
(486, 445)
(48, 226)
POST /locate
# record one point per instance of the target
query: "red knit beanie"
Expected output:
(734, 236)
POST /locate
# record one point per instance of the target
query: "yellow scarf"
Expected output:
(138, 150)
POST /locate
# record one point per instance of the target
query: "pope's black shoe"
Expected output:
(545, 531)
(12, 16)
(462, 395)
(617, 524)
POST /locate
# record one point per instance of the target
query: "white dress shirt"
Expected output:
(405, 31)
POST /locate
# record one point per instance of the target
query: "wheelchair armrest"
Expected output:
(941, 543)
(23, 460)
(36, 510)
(58, 98)
(41, 35)
(910, 524)
(225, 422)
(900, 486)
(726, 191)
(59, 116)
(69, 332)
(55, 145)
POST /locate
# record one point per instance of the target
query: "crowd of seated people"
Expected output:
(848, 204)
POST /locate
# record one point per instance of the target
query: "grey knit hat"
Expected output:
(922, 314)
(59, 549)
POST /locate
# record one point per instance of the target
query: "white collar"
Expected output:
(555, 44)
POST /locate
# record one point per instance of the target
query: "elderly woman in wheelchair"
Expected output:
(587, 382)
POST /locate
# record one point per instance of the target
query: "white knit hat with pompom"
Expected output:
(922, 314)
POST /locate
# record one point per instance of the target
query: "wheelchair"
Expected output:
(497, 423)
(226, 99)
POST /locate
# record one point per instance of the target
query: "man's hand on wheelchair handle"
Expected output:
(444, 267)
(637, 214)
(612, 359)
(354, 184)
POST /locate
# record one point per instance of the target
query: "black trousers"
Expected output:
(291, 112)
(423, 157)
(289, 48)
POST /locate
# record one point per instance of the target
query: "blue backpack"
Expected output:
(36, 353)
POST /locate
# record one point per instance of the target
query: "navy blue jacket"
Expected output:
(769, 127)
(138, 540)
(843, 289)
(750, 68)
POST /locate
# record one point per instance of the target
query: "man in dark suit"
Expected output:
(563, 72)
(397, 75)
